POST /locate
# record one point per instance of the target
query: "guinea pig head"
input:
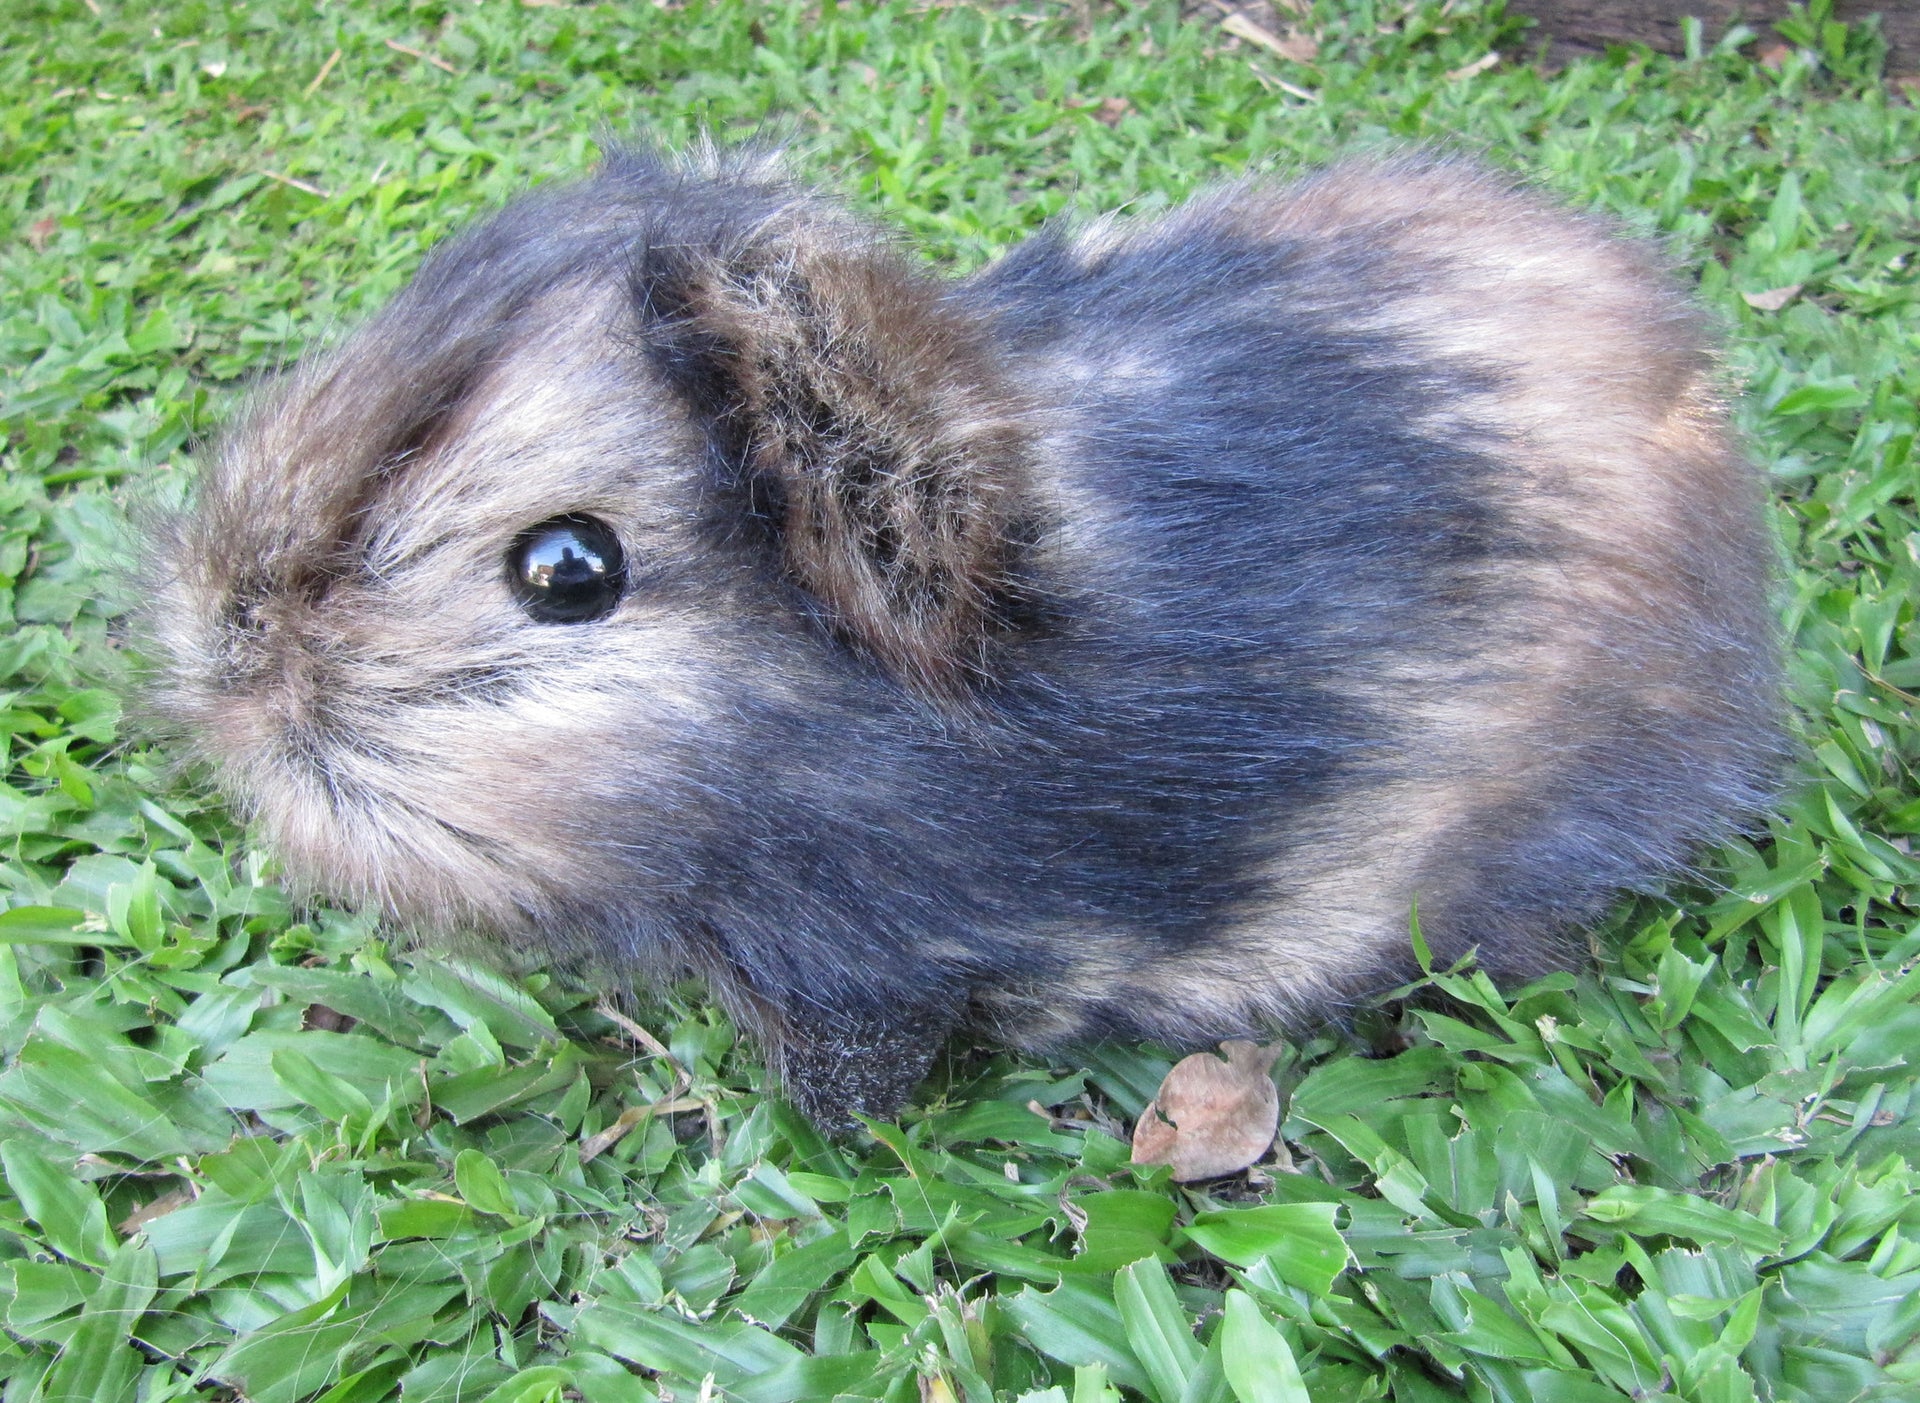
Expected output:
(467, 609)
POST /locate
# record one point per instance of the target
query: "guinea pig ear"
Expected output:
(861, 414)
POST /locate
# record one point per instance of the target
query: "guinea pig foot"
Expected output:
(865, 1063)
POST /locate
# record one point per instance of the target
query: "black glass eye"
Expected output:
(567, 571)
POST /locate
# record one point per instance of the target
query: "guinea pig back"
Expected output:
(1119, 642)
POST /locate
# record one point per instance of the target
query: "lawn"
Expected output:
(253, 1150)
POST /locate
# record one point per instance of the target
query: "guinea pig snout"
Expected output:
(258, 677)
(281, 712)
(266, 646)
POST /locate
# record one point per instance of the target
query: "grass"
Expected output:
(262, 1152)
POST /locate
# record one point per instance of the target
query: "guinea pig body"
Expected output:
(1119, 642)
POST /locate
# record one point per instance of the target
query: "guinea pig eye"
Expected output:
(569, 570)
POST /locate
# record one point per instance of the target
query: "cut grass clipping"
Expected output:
(257, 1152)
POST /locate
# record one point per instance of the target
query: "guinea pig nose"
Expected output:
(569, 570)
(243, 609)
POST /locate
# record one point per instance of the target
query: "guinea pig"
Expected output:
(1123, 641)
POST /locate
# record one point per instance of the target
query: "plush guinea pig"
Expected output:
(1118, 642)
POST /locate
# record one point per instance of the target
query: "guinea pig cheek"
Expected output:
(422, 831)
(490, 812)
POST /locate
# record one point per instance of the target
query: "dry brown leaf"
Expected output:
(1211, 1117)
(1297, 47)
(41, 231)
(1112, 110)
(146, 1212)
(320, 1018)
(1478, 66)
(594, 1146)
(1773, 299)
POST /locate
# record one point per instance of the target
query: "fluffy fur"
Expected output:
(1118, 642)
